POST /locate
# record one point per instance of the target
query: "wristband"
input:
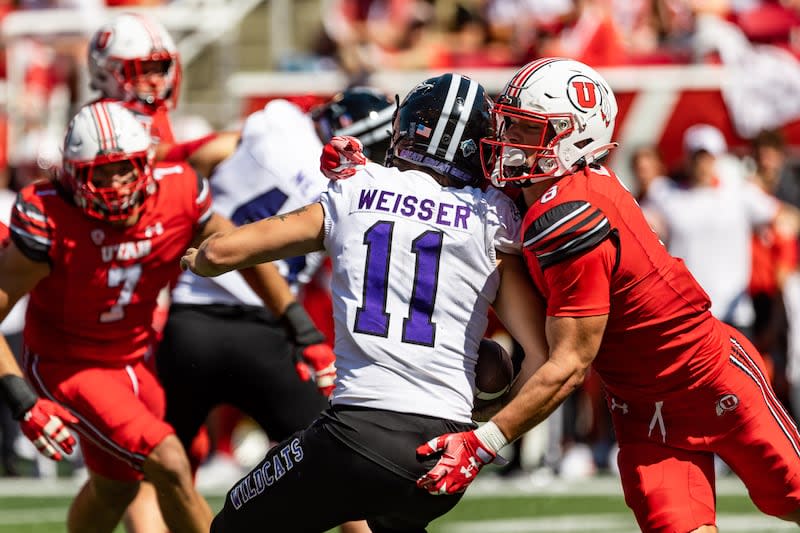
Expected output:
(300, 327)
(491, 436)
(18, 394)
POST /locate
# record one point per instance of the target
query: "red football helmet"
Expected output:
(133, 58)
(553, 116)
(100, 134)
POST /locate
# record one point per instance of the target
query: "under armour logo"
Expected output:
(467, 470)
(623, 406)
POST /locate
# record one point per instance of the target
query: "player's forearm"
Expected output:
(8, 364)
(538, 397)
(279, 237)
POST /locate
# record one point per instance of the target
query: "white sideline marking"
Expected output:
(607, 523)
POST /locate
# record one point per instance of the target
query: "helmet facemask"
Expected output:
(101, 198)
(131, 73)
(127, 53)
(519, 161)
(555, 117)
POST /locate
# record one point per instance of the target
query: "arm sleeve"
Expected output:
(565, 231)
(31, 229)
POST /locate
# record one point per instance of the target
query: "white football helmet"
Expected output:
(575, 111)
(100, 133)
(116, 55)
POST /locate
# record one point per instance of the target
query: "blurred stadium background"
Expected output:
(732, 64)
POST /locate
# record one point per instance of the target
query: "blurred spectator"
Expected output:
(522, 23)
(788, 188)
(138, 3)
(770, 22)
(590, 35)
(774, 255)
(357, 30)
(647, 166)
(708, 220)
(468, 42)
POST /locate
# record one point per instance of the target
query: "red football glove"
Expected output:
(321, 360)
(43, 424)
(341, 157)
(313, 358)
(463, 455)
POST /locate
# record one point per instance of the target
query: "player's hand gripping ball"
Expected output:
(494, 375)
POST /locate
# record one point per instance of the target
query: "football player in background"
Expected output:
(681, 385)
(93, 247)
(419, 254)
(220, 346)
(133, 59)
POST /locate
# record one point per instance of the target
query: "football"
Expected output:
(494, 371)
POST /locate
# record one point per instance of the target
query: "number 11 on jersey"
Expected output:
(371, 317)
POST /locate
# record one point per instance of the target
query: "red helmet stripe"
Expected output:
(519, 80)
(102, 123)
(155, 36)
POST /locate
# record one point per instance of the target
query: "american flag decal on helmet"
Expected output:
(566, 230)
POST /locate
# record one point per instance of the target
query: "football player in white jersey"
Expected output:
(220, 344)
(419, 254)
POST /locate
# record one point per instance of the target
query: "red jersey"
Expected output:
(157, 121)
(591, 252)
(773, 251)
(97, 302)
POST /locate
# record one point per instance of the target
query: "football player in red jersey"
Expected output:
(681, 385)
(133, 59)
(93, 247)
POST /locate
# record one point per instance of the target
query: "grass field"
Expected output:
(491, 506)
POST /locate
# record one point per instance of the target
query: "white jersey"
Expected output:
(414, 274)
(275, 169)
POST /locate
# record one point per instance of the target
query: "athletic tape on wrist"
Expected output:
(491, 436)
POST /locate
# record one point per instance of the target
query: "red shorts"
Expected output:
(667, 445)
(120, 411)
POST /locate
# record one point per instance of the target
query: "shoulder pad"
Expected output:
(564, 231)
